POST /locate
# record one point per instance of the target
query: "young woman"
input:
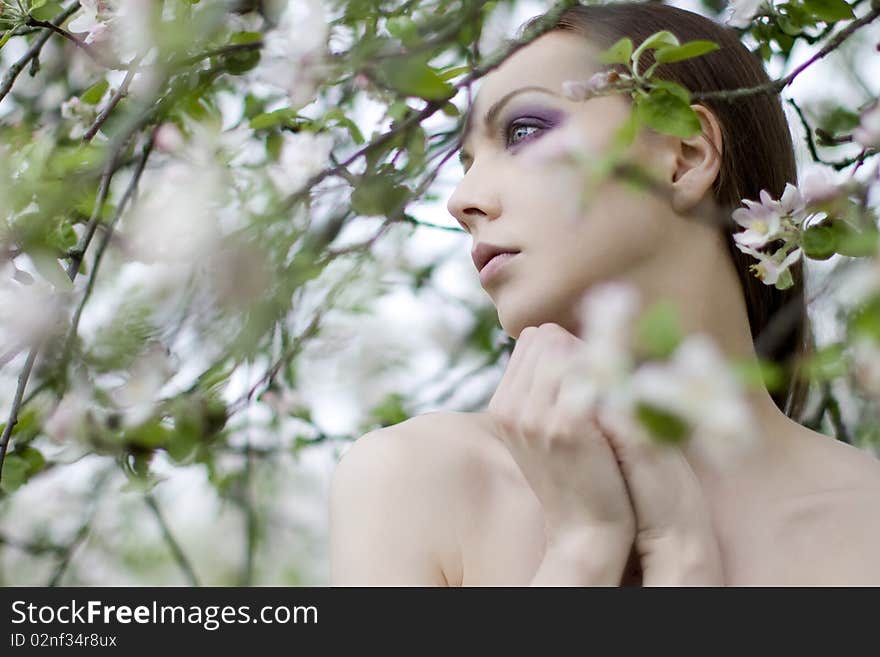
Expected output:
(528, 492)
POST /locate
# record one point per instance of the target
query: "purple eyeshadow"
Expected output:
(552, 117)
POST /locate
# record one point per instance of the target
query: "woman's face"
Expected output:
(510, 198)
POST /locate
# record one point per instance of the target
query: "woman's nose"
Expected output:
(472, 202)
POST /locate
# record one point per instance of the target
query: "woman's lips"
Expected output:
(488, 272)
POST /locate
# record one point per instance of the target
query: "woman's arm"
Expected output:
(386, 523)
(589, 557)
(675, 536)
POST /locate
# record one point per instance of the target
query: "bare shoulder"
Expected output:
(396, 497)
(834, 525)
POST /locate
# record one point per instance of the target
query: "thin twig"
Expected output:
(775, 86)
(540, 26)
(814, 153)
(50, 25)
(32, 52)
(105, 241)
(173, 545)
(72, 270)
(250, 518)
(113, 102)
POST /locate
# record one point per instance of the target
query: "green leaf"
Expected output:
(15, 473)
(453, 72)
(865, 320)
(829, 11)
(755, 374)
(666, 112)
(658, 330)
(819, 242)
(674, 88)
(784, 281)
(403, 28)
(412, 76)
(827, 363)
(619, 53)
(240, 38)
(95, 93)
(46, 10)
(661, 39)
(684, 51)
(378, 195)
(49, 267)
(390, 411)
(856, 244)
(271, 119)
(665, 426)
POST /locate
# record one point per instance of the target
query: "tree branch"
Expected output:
(775, 86)
(32, 53)
(173, 545)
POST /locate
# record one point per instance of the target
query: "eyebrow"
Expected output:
(492, 114)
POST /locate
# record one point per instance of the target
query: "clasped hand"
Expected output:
(591, 478)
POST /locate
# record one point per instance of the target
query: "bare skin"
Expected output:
(441, 500)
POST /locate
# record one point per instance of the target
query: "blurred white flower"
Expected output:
(29, 312)
(168, 138)
(697, 385)
(138, 395)
(303, 154)
(607, 313)
(294, 53)
(867, 133)
(284, 403)
(578, 90)
(176, 219)
(80, 114)
(68, 420)
(817, 186)
(740, 13)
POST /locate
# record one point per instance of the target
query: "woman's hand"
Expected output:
(559, 448)
(675, 538)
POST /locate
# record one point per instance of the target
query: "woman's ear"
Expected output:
(697, 163)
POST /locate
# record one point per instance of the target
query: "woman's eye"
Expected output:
(520, 129)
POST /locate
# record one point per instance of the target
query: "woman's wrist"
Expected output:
(584, 556)
(682, 559)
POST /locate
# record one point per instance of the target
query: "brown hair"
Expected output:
(757, 154)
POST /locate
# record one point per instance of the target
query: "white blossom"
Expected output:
(578, 90)
(138, 395)
(176, 218)
(28, 312)
(607, 313)
(868, 131)
(303, 154)
(816, 186)
(94, 19)
(697, 385)
(294, 53)
(68, 420)
(771, 267)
